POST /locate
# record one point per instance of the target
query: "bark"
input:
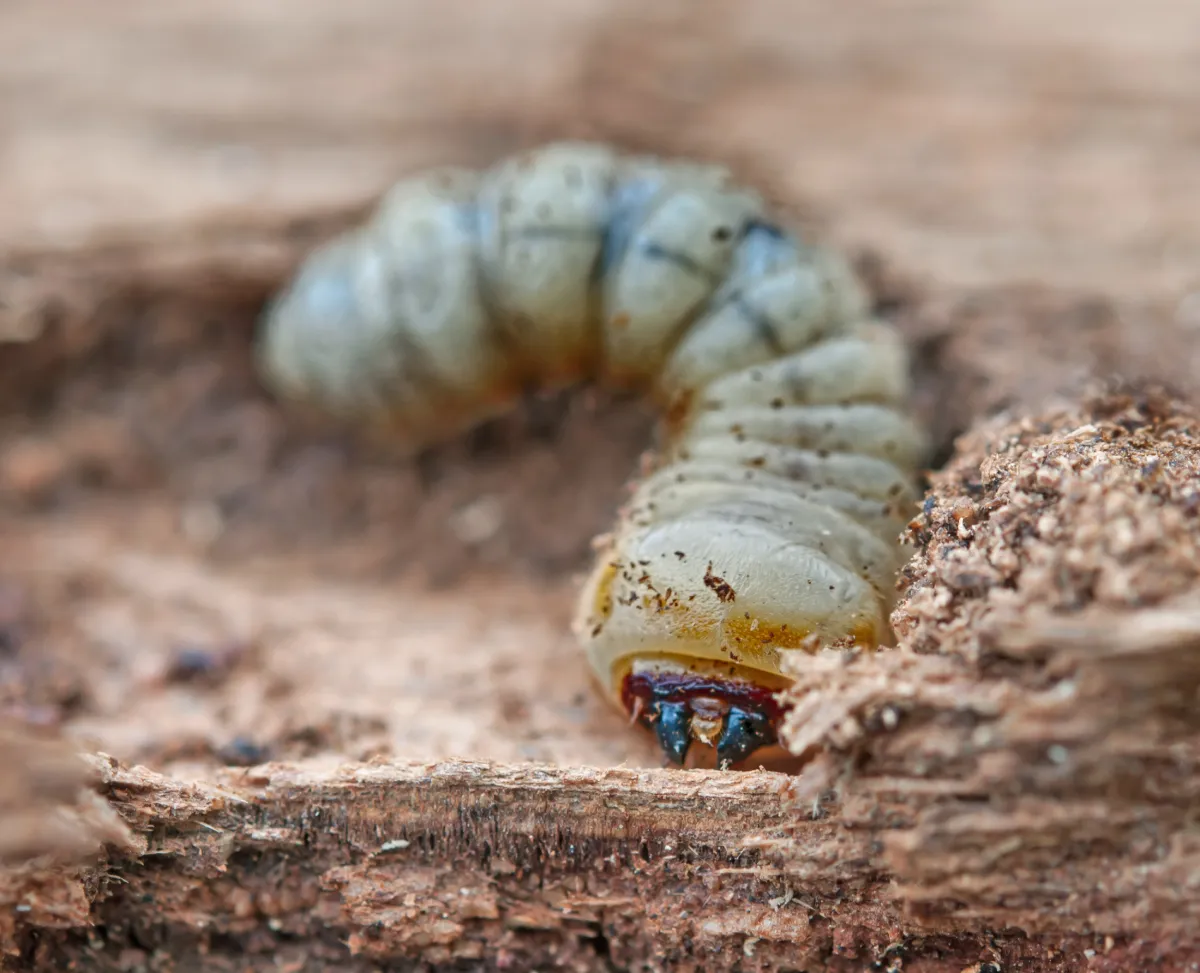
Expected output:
(520, 867)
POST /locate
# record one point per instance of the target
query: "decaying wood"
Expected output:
(1000, 769)
(1014, 784)
(524, 867)
(51, 827)
(41, 781)
(196, 582)
(442, 861)
(1030, 754)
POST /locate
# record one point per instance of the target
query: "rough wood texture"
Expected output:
(523, 867)
(194, 580)
(1030, 753)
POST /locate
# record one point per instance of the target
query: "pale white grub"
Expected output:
(787, 462)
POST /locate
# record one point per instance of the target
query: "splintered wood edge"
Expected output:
(345, 843)
(548, 867)
(280, 784)
(373, 804)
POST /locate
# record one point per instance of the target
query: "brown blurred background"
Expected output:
(975, 142)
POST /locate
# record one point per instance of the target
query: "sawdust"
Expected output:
(1029, 753)
(1090, 506)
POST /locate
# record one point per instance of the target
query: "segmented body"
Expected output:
(785, 469)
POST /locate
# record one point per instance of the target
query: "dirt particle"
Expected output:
(203, 664)
(719, 586)
(243, 752)
(31, 468)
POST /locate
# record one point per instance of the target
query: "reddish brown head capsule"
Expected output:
(734, 718)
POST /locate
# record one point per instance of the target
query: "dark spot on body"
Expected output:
(719, 586)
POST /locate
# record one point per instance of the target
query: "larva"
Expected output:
(769, 522)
